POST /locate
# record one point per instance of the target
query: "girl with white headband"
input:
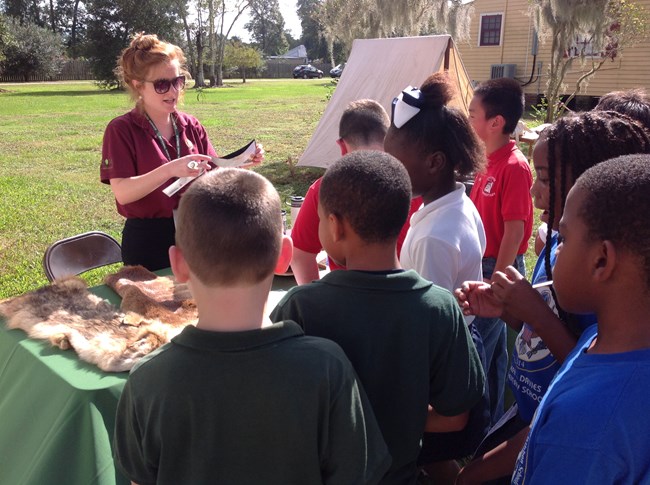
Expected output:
(446, 240)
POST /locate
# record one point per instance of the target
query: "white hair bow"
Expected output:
(406, 106)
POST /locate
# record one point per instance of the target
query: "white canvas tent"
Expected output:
(379, 69)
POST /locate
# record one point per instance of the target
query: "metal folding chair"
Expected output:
(78, 254)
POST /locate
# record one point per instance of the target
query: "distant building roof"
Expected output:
(296, 52)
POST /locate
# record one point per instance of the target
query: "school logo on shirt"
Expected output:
(530, 347)
(547, 295)
(189, 144)
(489, 185)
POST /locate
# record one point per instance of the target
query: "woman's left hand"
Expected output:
(257, 158)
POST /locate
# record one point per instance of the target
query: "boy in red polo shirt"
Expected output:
(502, 196)
(363, 126)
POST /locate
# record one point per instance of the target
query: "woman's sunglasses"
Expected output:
(161, 86)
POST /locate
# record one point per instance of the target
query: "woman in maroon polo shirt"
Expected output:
(148, 148)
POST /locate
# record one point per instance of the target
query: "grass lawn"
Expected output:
(50, 151)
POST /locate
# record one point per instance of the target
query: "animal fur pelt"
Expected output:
(153, 310)
(154, 298)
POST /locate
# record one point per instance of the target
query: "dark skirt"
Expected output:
(146, 242)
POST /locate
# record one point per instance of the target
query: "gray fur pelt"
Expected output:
(153, 310)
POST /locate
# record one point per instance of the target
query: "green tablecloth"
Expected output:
(57, 413)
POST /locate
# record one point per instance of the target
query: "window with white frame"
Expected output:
(580, 44)
(490, 30)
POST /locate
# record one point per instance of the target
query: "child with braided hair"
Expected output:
(564, 151)
(634, 103)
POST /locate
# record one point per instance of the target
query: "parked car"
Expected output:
(337, 71)
(306, 71)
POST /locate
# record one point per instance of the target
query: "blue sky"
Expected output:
(291, 21)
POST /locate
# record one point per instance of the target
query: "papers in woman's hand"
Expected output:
(237, 158)
(234, 159)
(179, 184)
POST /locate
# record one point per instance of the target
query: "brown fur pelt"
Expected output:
(154, 310)
(146, 295)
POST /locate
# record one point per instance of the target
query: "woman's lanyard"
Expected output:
(161, 140)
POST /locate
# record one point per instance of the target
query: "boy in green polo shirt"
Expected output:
(405, 336)
(237, 399)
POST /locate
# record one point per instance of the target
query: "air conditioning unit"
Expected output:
(502, 70)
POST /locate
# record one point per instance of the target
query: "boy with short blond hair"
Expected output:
(235, 399)
(405, 336)
(247, 206)
(363, 126)
(363, 123)
(593, 424)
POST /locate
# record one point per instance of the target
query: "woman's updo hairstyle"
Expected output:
(438, 127)
(145, 52)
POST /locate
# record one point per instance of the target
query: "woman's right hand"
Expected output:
(131, 189)
(477, 298)
(188, 166)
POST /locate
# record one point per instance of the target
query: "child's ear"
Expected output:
(336, 227)
(497, 123)
(343, 146)
(179, 264)
(604, 261)
(437, 161)
(286, 253)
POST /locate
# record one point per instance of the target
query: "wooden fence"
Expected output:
(79, 70)
(73, 70)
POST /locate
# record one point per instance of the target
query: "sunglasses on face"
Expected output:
(161, 86)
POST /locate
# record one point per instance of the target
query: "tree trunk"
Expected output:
(595, 67)
(219, 78)
(52, 17)
(212, 42)
(188, 37)
(222, 47)
(241, 7)
(199, 79)
(73, 30)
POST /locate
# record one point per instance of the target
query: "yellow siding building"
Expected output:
(501, 44)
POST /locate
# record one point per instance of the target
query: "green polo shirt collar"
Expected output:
(237, 341)
(376, 280)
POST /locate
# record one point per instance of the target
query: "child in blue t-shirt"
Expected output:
(547, 333)
(592, 426)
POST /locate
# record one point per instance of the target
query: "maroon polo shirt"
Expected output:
(131, 148)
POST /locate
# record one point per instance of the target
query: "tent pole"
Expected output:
(447, 52)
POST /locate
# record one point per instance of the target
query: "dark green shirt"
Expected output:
(266, 406)
(408, 342)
